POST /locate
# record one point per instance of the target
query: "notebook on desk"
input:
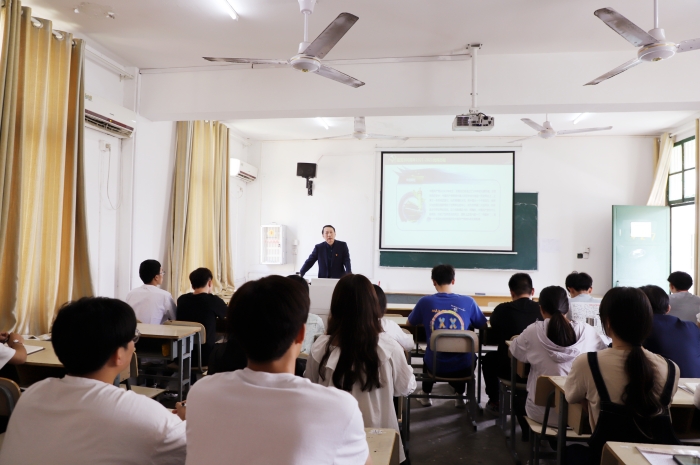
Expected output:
(32, 349)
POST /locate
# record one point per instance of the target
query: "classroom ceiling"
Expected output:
(177, 33)
(624, 124)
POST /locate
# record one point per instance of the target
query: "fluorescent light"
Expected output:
(580, 117)
(322, 122)
(232, 10)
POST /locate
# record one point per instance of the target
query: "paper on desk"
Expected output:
(659, 456)
(692, 386)
(31, 349)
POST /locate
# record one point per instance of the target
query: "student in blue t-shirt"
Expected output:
(446, 310)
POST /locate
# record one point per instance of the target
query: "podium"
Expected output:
(320, 293)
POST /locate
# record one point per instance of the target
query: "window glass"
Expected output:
(675, 187)
(676, 159)
(689, 150)
(689, 184)
(683, 239)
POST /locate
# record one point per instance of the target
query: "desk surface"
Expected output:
(626, 453)
(383, 446)
(399, 320)
(391, 306)
(43, 358)
(166, 331)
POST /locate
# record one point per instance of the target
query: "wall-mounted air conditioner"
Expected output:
(108, 117)
(242, 170)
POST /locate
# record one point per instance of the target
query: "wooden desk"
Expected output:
(625, 453)
(43, 358)
(383, 446)
(399, 320)
(175, 343)
(40, 365)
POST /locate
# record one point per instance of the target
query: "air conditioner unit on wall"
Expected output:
(242, 170)
(108, 117)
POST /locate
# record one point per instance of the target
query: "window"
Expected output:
(681, 198)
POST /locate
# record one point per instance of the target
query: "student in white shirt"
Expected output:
(83, 418)
(550, 346)
(358, 357)
(152, 304)
(684, 305)
(264, 414)
(391, 327)
(580, 287)
(314, 323)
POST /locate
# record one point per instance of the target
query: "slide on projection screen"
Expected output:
(457, 201)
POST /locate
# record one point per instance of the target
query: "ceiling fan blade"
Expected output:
(626, 28)
(336, 75)
(331, 35)
(254, 61)
(346, 136)
(578, 131)
(383, 136)
(614, 72)
(533, 125)
(360, 124)
(520, 140)
(688, 45)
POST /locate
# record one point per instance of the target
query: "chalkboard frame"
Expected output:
(525, 240)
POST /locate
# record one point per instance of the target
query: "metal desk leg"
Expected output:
(181, 364)
(561, 433)
(513, 416)
(478, 368)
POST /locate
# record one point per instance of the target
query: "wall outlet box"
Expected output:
(579, 255)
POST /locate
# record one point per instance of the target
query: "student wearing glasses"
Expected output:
(83, 417)
(152, 304)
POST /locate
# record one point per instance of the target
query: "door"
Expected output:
(641, 246)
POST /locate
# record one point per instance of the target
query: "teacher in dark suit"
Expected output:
(333, 256)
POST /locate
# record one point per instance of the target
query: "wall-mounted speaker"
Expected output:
(306, 170)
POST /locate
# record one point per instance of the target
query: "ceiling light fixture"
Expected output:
(232, 11)
(580, 117)
(323, 123)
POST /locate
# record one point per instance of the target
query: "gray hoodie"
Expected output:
(548, 359)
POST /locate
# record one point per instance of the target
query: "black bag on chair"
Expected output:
(617, 422)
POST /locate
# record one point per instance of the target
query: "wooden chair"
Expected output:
(133, 372)
(201, 338)
(9, 395)
(505, 387)
(544, 397)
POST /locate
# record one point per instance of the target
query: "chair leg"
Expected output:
(538, 441)
(471, 397)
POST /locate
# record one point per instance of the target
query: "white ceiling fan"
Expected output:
(654, 46)
(310, 54)
(361, 133)
(546, 131)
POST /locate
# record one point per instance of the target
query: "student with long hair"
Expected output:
(627, 388)
(355, 355)
(550, 346)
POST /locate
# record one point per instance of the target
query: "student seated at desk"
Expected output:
(672, 337)
(405, 340)
(550, 346)
(684, 305)
(446, 310)
(201, 306)
(627, 388)
(358, 357)
(580, 287)
(14, 353)
(151, 304)
(264, 414)
(83, 418)
(508, 319)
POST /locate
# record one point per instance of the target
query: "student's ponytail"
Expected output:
(554, 302)
(626, 311)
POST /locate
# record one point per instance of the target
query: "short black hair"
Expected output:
(579, 281)
(200, 277)
(298, 279)
(327, 226)
(658, 298)
(381, 297)
(87, 332)
(680, 280)
(520, 283)
(265, 316)
(443, 274)
(148, 270)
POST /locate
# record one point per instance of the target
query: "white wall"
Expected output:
(578, 180)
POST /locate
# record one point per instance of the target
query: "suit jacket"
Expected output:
(340, 260)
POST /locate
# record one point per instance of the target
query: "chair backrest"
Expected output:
(202, 331)
(9, 395)
(543, 388)
(454, 340)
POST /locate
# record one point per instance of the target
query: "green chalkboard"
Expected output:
(524, 240)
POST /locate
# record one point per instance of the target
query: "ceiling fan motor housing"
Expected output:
(657, 52)
(305, 63)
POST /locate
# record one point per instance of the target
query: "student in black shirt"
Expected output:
(203, 307)
(508, 319)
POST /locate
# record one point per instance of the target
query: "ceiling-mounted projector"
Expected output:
(474, 120)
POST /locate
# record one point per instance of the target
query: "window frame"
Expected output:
(683, 200)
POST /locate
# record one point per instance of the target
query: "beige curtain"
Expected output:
(200, 207)
(43, 232)
(663, 147)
